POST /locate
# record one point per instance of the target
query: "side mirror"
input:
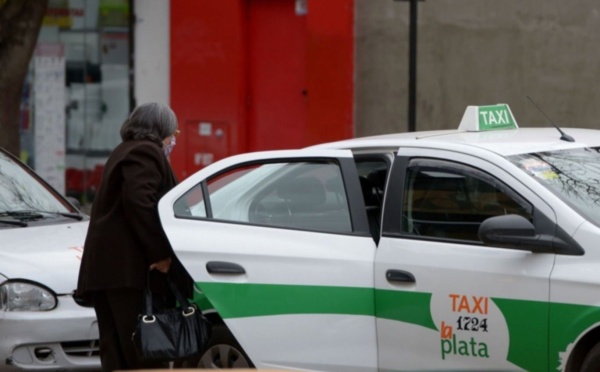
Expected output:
(516, 232)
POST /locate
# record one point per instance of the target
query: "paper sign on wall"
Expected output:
(49, 114)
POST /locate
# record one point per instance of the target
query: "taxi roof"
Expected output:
(504, 142)
(490, 128)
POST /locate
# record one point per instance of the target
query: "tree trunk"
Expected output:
(20, 22)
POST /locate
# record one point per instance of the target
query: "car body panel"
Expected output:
(50, 256)
(42, 238)
(501, 142)
(294, 282)
(61, 339)
(306, 299)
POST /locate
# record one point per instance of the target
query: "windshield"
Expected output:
(21, 191)
(573, 175)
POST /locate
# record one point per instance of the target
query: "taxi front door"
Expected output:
(445, 301)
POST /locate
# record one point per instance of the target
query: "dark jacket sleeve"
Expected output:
(143, 175)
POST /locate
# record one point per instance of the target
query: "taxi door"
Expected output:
(445, 301)
(279, 243)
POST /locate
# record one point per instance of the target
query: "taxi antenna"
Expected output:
(563, 135)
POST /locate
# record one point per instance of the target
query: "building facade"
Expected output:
(247, 75)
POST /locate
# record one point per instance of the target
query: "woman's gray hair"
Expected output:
(151, 121)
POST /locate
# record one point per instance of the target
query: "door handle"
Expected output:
(221, 267)
(399, 276)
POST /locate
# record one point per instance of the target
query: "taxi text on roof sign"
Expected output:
(484, 118)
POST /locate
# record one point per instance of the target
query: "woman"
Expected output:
(125, 238)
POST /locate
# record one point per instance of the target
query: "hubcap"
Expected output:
(223, 357)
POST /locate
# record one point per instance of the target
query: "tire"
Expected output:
(591, 363)
(222, 352)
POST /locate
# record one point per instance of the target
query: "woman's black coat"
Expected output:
(125, 235)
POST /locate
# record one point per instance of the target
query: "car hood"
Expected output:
(50, 254)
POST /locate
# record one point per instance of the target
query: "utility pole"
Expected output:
(412, 66)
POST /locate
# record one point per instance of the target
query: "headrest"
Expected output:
(302, 190)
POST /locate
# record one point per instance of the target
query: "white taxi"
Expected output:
(41, 241)
(468, 249)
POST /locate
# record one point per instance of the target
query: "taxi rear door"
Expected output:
(445, 301)
(279, 243)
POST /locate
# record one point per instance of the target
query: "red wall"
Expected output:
(210, 78)
(277, 75)
(207, 70)
(330, 70)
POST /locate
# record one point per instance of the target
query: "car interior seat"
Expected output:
(304, 200)
(302, 194)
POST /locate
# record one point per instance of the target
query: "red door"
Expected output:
(277, 95)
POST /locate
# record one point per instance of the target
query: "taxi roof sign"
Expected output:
(485, 118)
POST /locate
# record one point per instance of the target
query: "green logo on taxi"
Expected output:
(495, 117)
(486, 118)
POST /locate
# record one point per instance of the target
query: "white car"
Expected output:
(42, 236)
(468, 249)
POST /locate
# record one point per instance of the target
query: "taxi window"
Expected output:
(450, 202)
(297, 195)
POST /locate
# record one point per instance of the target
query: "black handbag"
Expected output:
(172, 333)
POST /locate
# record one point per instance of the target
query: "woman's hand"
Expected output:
(162, 266)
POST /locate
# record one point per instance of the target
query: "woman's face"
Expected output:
(169, 143)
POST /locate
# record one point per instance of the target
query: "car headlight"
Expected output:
(22, 295)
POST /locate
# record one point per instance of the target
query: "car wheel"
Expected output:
(222, 352)
(592, 360)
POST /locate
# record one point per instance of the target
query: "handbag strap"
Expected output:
(148, 296)
(185, 305)
(183, 302)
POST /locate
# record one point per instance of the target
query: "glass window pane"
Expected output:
(94, 79)
(191, 204)
(297, 195)
(448, 204)
(20, 191)
(572, 174)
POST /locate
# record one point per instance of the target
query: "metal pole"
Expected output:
(412, 68)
